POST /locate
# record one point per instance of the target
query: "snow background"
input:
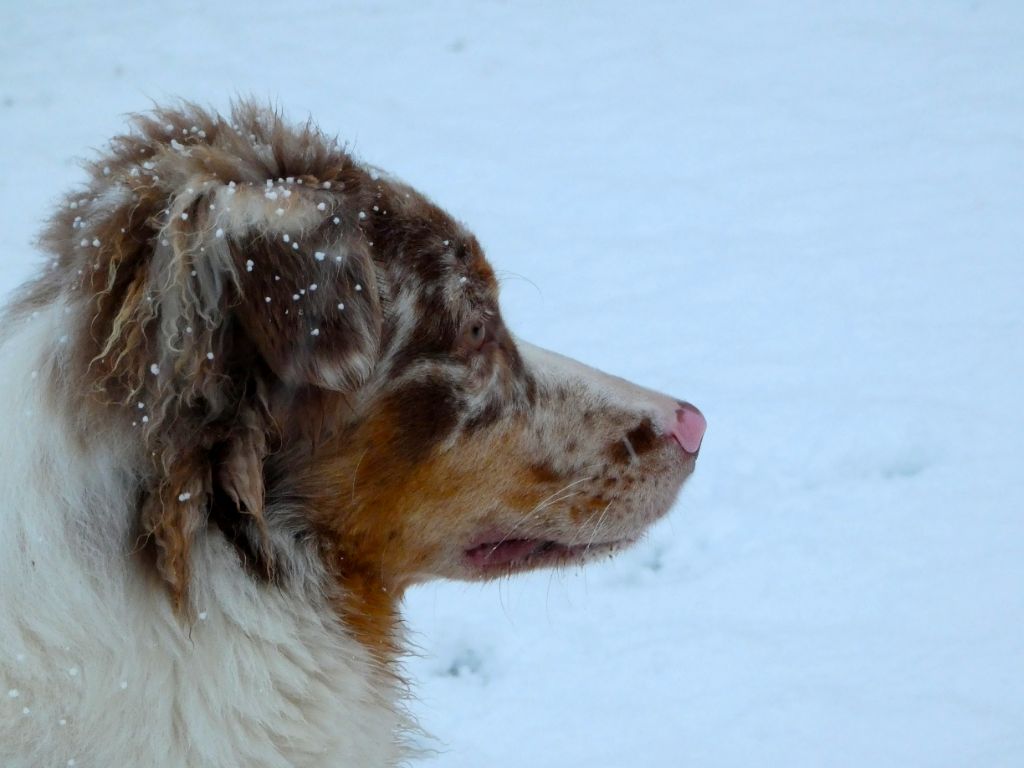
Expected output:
(807, 218)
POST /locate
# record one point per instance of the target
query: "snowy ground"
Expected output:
(807, 218)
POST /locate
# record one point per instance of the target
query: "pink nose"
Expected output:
(689, 427)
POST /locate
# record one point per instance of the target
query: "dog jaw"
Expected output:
(562, 473)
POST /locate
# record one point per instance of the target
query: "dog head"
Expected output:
(307, 352)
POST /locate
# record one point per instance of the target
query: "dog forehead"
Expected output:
(480, 270)
(423, 243)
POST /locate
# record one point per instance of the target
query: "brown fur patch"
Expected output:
(544, 472)
(424, 414)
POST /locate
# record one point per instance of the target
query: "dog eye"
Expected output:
(475, 335)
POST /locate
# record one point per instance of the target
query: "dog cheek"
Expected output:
(422, 415)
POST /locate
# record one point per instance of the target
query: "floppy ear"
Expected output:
(219, 295)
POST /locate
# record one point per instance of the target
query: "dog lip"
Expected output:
(508, 553)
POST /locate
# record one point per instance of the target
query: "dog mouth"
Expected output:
(507, 555)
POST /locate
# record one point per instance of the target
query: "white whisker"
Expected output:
(597, 527)
(554, 498)
(629, 447)
(355, 473)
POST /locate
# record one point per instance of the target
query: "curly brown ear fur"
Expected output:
(212, 263)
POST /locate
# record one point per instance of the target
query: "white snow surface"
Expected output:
(806, 218)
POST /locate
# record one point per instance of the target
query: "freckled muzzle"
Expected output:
(609, 458)
(667, 417)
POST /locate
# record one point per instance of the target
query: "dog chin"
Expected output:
(502, 557)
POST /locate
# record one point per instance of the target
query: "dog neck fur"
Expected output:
(96, 666)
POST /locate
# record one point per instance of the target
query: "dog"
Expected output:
(255, 393)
